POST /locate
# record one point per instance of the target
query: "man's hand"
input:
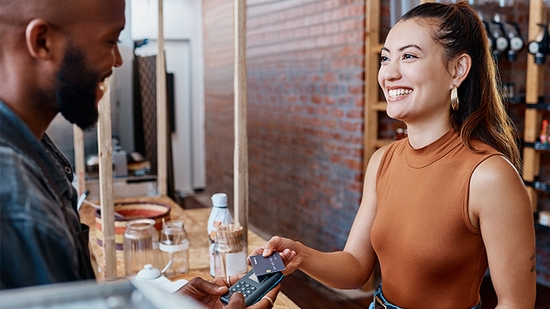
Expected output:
(208, 293)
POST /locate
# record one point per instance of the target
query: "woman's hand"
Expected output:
(287, 248)
(265, 302)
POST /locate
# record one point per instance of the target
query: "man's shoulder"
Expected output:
(15, 164)
(22, 184)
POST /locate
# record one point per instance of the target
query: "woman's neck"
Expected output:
(423, 135)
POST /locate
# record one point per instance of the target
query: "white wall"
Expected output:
(122, 115)
(184, 58)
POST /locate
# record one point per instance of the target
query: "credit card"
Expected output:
(267, 265)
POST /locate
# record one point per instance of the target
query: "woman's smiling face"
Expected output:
(413, 75)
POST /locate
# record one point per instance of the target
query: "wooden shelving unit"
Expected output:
(534, 89)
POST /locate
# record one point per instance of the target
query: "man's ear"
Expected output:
(39, 37)
(461, 69)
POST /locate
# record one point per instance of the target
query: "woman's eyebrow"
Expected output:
(403, 48)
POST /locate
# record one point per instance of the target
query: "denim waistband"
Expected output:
(381, 299)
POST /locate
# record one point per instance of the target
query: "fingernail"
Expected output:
(266, 252)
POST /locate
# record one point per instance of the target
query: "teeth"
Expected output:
(394, 93)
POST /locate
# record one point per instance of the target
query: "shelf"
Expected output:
(379, 106)
(382, 142)
(537, 146)
(542, 228)
(539, 185)
(517, 99)
(539, 106)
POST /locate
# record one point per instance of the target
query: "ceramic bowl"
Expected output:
(131, 211)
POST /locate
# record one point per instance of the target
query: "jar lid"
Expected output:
(148, 272)
(140, 224)
(219, 200)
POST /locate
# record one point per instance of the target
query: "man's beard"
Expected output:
(76, 90)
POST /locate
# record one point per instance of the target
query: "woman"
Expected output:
(443, 205)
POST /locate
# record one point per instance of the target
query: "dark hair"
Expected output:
(481, 114)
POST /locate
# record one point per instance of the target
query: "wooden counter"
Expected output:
(194, 221)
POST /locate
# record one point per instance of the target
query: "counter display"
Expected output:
(195, 221)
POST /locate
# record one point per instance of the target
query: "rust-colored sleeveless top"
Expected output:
(430, 254)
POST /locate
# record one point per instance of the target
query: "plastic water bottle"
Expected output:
(219, 215)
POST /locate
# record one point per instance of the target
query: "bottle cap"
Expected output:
(219, 200)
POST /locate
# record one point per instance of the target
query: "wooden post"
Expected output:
(372, 61)
(106, 198)
(533, 89)
(372, 103)
(162, 126)
(240, 158)
(80, 166)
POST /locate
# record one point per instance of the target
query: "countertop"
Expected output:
(195, 225)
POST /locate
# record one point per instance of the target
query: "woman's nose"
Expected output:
(390, 71)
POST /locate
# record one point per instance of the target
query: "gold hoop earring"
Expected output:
(454, 99)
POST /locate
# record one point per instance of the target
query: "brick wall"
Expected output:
(305, 112)
(218, 66)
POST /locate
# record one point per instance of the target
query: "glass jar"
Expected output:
(141, 244)
(174, 248)
(230, 251)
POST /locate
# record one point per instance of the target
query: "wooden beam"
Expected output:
(533, 89)
(162, 125)
(106, 198)
(240, 158)
(79, 160)
(372, 49)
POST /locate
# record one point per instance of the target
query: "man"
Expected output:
(54, 56)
